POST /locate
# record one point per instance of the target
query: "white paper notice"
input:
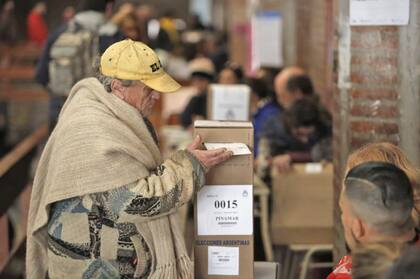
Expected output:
(267, 40)
(379, 12)
(225, 210)
(237, 148)
(313, 168)
(230, 102)
(223, 260)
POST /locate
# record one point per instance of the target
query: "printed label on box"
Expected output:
(225, 210)
(223, 260)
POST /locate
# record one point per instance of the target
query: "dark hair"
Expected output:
(258, 87)
(381, 195)
(406, 267)
(300, 83)
(302, 113)
(201, 74)
(236, 69)
(92, 5)
(269, 75)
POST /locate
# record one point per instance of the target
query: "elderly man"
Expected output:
(376, 204)
(272, 110)
(103, 201)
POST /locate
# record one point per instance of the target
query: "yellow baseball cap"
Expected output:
(131, 60)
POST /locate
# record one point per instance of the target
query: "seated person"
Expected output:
(202, 74)
(273, 107)
(292, 138)
(376, 204)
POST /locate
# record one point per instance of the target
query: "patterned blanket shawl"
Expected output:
(100, 142)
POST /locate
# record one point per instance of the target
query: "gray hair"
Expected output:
(381, 195)
(106, 80)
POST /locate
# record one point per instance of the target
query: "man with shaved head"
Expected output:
(376, 204)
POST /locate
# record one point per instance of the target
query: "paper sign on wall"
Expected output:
(223, 260)
(225, 210)
(267, 41)
(379, 12)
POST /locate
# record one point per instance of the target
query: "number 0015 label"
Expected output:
(225, 210)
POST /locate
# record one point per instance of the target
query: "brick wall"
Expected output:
(375, 92)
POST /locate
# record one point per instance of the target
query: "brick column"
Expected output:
(377, 96)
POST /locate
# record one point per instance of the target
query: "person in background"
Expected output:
(216, 49)
(104, 202)
(376, 203)
(297, 87)
(37, 30)
(232, 73)
(111, 32)
(68, 13)
(202, 74)
(194, 23)
(388, 152)
(272, 109)
(259, 101)
(8, 23)
(168, 24)
(151, 30)
(89, 16)
(283, 97)
(300, 129)
(122, 25)
(144, 14)
(268, 75)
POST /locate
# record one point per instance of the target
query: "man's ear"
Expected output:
(358, 228)
(117, 88)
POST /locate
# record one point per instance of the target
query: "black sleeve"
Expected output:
(189, 111)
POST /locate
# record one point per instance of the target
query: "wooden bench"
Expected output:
(14, 181)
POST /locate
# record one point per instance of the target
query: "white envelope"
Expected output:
(236, 147)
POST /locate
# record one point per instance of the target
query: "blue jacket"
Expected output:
(260, 117)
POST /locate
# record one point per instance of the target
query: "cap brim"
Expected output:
(164, 84)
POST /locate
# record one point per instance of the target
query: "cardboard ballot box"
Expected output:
(223, 246)
(302, 211)
(228, 102)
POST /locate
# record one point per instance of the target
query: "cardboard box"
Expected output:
(229, 102)
(234, 174)
(302, 210)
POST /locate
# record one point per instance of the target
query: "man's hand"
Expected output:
(282, 162)
(208, 158)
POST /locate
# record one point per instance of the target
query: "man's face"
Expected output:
(286, 99)
(348, 220)
(142, 97)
